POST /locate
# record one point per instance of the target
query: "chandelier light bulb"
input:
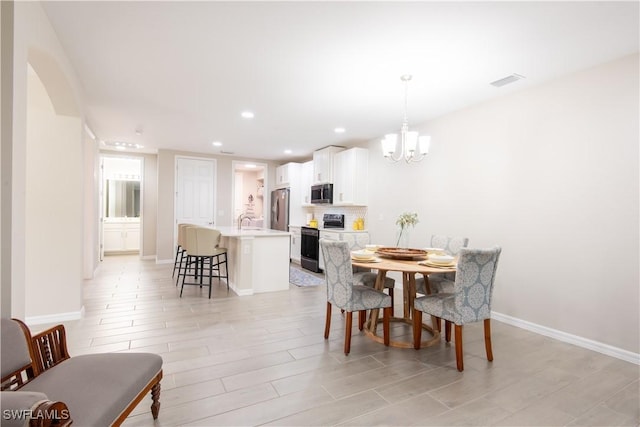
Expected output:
(413, 147)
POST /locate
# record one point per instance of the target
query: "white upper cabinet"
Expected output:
(306, 180)
(323, 164)
(351, 177)
(286, 174)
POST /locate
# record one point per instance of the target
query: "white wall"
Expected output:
(149, 205)
(551, 175)
(46, 241)
(53, 237)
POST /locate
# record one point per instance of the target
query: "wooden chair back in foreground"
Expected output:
(91, 390)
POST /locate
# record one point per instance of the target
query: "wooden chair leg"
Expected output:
(487, 339)
(417, 329)
(327, 322)
(347, 332)
(447, 331)
(459, 362)
(362, 315)
(155, 397)
(386, 317)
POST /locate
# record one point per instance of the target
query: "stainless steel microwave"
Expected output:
(322, 193)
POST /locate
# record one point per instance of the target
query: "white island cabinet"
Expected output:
(258, 259)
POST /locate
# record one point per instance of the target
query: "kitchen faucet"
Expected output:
(240, 218)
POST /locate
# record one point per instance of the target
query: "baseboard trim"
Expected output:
(242, 293)
(164, 261)
(148, 257)
(55, 318)
(609, 350)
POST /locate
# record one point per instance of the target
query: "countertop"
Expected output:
(251, 232)
(120, 220)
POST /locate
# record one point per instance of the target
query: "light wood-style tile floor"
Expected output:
(262, 360)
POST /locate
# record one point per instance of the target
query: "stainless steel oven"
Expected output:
(310, 248)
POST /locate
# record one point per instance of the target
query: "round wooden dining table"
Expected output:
(409, 269)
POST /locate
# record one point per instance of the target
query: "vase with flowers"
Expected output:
(403, 222)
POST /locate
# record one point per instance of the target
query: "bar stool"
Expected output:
(180, 249)
(203, 256)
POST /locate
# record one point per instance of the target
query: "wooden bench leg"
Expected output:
(155, 397)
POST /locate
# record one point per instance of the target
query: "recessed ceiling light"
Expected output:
(122, 145)
(339, 130)
(287, 151)
(506, 80)
(217, 143)
(247, 114)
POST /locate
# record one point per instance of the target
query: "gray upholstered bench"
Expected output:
(90, 390)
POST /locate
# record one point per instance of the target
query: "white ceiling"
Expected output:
(182, 72)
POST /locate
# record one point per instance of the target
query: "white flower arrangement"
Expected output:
(405, 220)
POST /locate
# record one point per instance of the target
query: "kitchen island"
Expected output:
(258, 259)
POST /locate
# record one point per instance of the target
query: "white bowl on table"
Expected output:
(362, 255)
(372, 248)
(441, 259)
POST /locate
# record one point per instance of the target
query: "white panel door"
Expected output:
(195, 191)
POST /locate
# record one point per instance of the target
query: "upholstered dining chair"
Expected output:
(442, 282)
(469, 302)
(368, 278)
(344, 293)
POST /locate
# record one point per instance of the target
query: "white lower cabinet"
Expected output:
(356, 239)
(295, 244)
(121, 236)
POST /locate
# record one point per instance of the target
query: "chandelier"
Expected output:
(413, 148)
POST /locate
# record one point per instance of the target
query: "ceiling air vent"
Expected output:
(506, 80)
(226, 152)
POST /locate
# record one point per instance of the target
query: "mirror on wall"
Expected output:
(122, 199)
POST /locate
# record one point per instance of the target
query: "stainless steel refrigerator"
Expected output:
(280, 209)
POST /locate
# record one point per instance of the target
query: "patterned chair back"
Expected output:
(475, 276)
(451, 245)
(338, 273)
